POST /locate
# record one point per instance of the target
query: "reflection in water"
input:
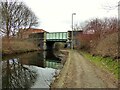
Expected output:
(44, 78)
(25, 70)
(15, 75)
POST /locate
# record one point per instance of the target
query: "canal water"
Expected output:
(30, 70)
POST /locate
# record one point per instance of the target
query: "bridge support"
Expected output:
(44, 44)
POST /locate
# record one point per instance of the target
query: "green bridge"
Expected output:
(51, 37)
(57, 36)
(46, 40)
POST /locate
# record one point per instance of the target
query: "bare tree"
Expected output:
(109, 25)
(109, 6)
(77, 27)
(15, 16)
(101, 28)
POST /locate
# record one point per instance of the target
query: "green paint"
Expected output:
(57, 35)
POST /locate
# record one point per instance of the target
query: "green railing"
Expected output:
(58, 36)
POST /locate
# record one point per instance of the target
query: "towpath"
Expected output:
(79, 72)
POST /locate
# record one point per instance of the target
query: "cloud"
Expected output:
(55, 15)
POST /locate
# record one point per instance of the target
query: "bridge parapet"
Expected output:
(57, 36)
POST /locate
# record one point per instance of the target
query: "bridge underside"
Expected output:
(50, 43)
(57, 40)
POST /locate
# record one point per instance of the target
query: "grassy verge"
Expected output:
(106, 63)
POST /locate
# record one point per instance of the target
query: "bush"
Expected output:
(84, 46)
(58, 46)
(108, 46)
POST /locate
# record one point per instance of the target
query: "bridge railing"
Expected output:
(57, 36)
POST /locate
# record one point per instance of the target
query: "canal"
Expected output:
(30, 70)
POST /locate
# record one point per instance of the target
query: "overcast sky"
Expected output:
(55, 15)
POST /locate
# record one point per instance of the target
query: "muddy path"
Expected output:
(81, 73)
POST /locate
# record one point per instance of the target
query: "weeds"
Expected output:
(108, 63)
(16, 46)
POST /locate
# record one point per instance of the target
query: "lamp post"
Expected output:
(72, 30)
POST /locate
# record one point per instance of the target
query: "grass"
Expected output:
(106, 63)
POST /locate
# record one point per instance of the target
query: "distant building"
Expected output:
(25, 33)
(33, 35)
(76, 34)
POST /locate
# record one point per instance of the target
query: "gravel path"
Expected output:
(81, 73)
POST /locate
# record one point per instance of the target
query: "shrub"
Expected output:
(58, 46)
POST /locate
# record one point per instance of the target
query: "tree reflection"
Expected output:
(16, 75)
(34, 58)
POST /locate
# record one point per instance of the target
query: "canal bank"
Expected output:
(17, 46)
(11, 52)
(59, 79)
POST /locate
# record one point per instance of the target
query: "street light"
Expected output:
(72, 30)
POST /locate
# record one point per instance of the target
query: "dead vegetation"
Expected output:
(108, 46)
(100, 37)
(17, 46)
